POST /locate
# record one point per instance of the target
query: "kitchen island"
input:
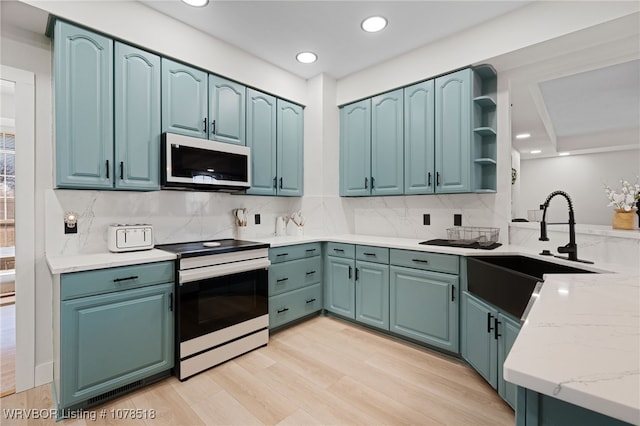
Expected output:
(581, 344)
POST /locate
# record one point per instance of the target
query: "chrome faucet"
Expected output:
(571, 249)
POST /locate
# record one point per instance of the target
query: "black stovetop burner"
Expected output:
(205, 248)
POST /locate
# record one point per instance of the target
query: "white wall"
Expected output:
(582, 177)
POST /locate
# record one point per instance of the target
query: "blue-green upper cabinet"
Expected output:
(83, 70)
(355, 148)
(184, 99)
(137, 118)
(453, 132)
(419, 138)
(261, 138)
(226, 110)
(387, 152)
(290, 148)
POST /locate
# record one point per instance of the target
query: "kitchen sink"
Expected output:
(508, 281)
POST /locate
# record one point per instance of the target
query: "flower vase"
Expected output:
(623, 219)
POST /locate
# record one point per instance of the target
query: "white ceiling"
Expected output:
(277, 30)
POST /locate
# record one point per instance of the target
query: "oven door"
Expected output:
(210, 304)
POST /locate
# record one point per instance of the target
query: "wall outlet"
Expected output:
(256, 219)
(457, 220)
(426, 219)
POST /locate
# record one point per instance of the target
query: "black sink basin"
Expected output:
(508, 281)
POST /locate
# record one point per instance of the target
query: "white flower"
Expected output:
(626, 197)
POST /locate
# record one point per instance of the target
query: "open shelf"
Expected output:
(485, 161)
(484, 101)
(485, 131)
(484, 147)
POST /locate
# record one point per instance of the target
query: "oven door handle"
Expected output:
(203, 273)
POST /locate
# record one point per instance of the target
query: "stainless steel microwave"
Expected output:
(201, 164)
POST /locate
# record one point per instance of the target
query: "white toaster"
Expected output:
(129, 237)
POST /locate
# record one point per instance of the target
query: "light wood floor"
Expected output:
(323, 371)
(7, 347)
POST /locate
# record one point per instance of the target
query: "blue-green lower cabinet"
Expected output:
(372, 294)
(536, 409)
(118, 340)
(340, 286)
(424, 306)
(487, 336)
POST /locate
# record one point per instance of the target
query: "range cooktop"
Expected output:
(205, 248)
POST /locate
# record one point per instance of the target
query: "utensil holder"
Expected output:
(241, 232)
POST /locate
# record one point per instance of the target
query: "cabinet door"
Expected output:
(226, 110)
(184, 99)
(114, 339)
(453, 132)
(509, 330)
(387, 152)
(83, 70)
(419, 138)
(478, 342)
(261, 138)
(424, 306)
(290, 146)
(340, 291)
(372, 294)
(355, 149)
(137, 115)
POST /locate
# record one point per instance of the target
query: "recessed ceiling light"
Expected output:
(536, 151)
(196, 3)
(523, 135)
(306, 57)
(374, 24)
(564, 154)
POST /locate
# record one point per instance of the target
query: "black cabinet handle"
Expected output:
(310, 250)
(496, 334)
(280, 183)
(429, 179)
(366, 183)
(349, 272)
(107, 169)
(205, 124)
(117, 280)
(171, 302)
(338, 250)
(282, 254)
(438, 178)
(275, 182)
(372, 182)
(489, 317)
(369, 254)
(121, 170)
(357, 274)
(213, 127)
(281, 280)
(420, 260)
(282, 310)
(311, 272)
(311, 301)
(453, 293)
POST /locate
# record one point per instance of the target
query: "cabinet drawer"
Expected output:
(428, 261)
(295, 274)
(341, 250)
(299, 251)
(295, 304)
(372, 254)
(86, 283)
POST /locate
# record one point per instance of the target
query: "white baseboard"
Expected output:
(44, 373)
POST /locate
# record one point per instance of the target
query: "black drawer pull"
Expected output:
(117, 280)
(310, 250)
(311, 300)
(339, 250)
(282, 254)
(311, 272)
(281, 280)
(369, 254)
(420, 260)
(282, 310)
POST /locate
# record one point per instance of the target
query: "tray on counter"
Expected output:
(449, 243)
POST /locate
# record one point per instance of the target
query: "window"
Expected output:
(7, 189)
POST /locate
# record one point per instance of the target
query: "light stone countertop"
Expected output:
(581, 344)
(87, 262)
